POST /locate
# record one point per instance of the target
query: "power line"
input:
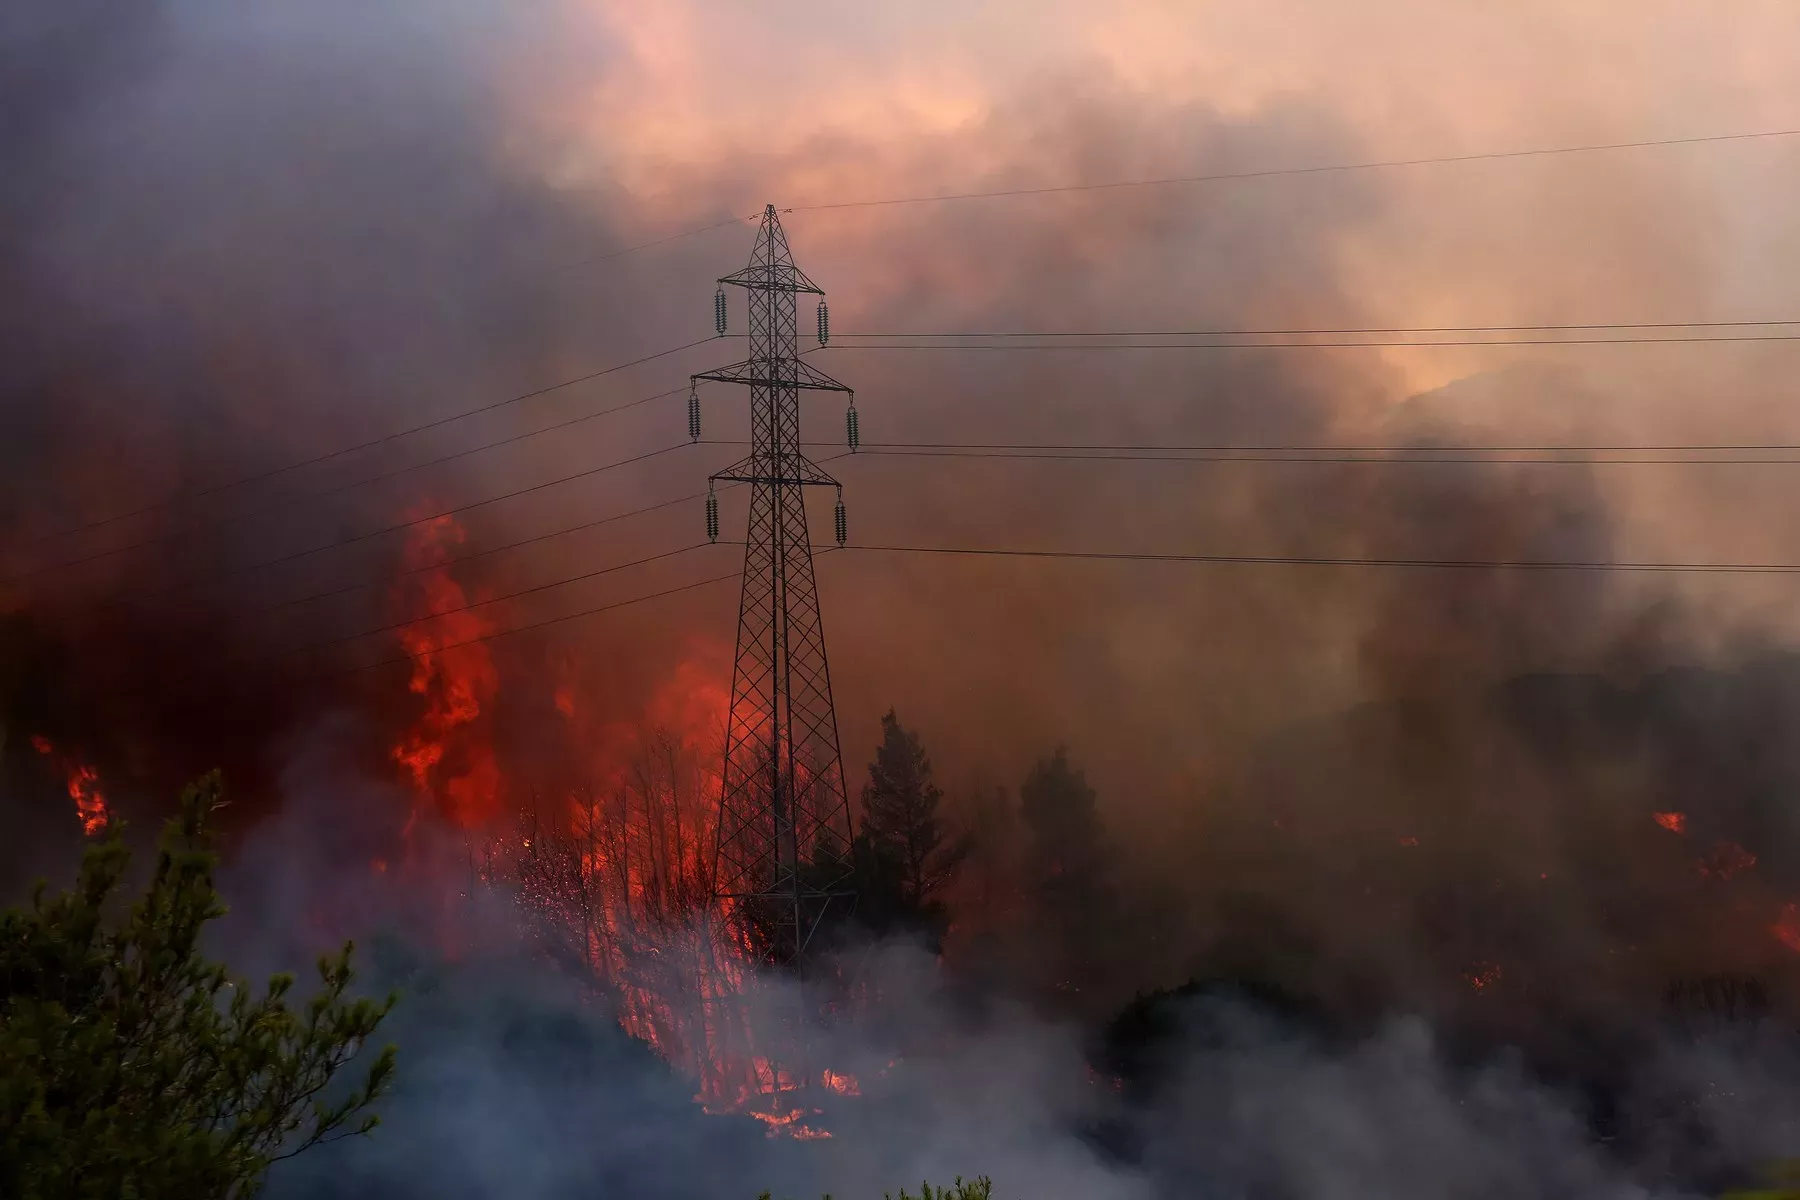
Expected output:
(475, 604)
(395, 528)
(490, 637)
(390, 580)
(1320, 331)
(673, 237)
(1341, 448)
(1317, 345)
(1121, 556)
(238, 518)
(1336, 561)
(1331, 168)
(274, 472)
(1562, 456)
(1117, 557)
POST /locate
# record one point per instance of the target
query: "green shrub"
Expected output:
(131, 1067)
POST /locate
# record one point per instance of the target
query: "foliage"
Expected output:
(1068, 870)
(981, 1188)
(1062, 819)
(130, 1066)
(902, 857)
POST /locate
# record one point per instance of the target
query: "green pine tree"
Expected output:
(130, 1066)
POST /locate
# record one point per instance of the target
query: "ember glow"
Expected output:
(1674, 822)
(1727, 860)
(1787, 927)
(83, 782)
(1483, 976)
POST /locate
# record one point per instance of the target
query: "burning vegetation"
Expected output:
(83, 786)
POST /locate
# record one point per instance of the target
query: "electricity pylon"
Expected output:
(784, 834)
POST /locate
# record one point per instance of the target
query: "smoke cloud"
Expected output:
(235, 238)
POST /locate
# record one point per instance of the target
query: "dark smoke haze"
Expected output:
(239, 236)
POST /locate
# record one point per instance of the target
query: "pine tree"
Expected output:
(905, 856)
(1068, 869)
(132, 1066)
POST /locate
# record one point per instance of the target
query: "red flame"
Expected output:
(441, 756)
(1674, 822)
(84, 788)
(615, 861)
(1787, 927)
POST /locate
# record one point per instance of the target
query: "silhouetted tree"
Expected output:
(904, 854)
(1068, 870)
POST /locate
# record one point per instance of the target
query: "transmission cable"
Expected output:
(1122, 556)
(1273, 172)
(673, 237)
(389, 580)
(199, 580)
(472, 605)
(1396, 456)
(247, 568)
(1775, 568)
(1317, 331)
(1363, 344)
(284, 502)
(498, 634)
(396, 577)
(1340, 448)
(274, 472)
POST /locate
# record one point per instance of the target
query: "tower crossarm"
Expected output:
(795, 469)
(772, 277)
(776, 373)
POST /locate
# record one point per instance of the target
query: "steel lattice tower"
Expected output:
(784, 832)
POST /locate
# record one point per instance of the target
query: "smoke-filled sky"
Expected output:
(242, 236)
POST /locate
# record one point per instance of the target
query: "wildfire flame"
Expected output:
(455, 674)
(84, 788)
(1674, 822)
(612, 868)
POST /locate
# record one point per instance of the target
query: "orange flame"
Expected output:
(442, 757)
(617, 869)
(841, 1083)
(84, 788)
(1674, 822)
